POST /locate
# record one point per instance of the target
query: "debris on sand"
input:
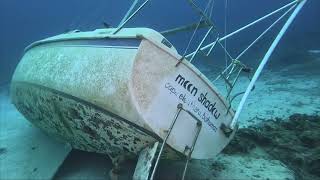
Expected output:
(294, 141)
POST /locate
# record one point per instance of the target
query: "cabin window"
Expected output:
(166, 43)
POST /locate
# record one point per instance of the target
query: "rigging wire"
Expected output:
(211, 9)
(128, 13)
(264, 32)
(197, 27)
(225, 44)
(225, 32)
(246, 26)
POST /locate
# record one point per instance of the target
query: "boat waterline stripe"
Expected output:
(124, 43)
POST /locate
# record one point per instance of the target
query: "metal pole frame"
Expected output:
(265, 60)
(131, 16)
(128, 12)
(245, 27)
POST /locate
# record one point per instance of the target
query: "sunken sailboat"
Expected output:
(118, 91)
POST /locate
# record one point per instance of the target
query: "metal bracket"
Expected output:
(226, 130)
(180, 61)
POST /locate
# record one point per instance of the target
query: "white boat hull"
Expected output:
(117, 94)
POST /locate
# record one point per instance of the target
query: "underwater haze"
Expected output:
(278, 132)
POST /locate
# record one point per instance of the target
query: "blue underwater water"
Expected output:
(23, 22)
